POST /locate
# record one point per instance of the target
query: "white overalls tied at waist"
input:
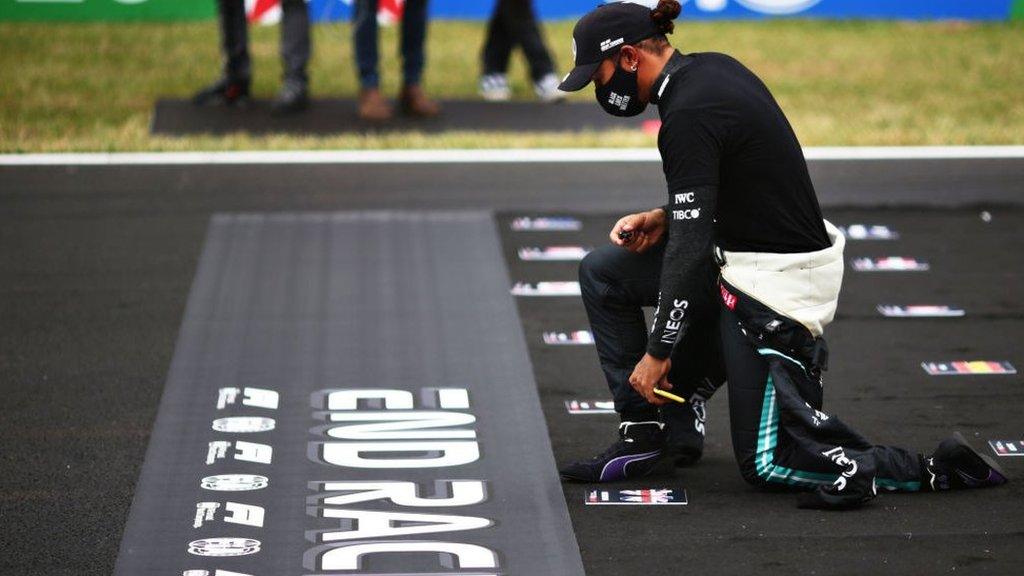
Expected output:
(803, 286)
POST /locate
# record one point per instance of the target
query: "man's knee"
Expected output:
(749, 472)
(595, 271)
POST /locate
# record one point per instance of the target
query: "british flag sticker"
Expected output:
(868, 232)
(890, 264)
(590, 406)
(546, 289)
(553, 254)
(575, 338)
(641, 497)
(546, 224)
(1007, 447)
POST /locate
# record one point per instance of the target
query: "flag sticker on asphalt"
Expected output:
(576, 338)
(546, 224)
(590, 406)
(553, 254)
(868, 232)
(1007, 447)
(546, 289)
(642, 497)
(890, 264)
(967, 368)
(920, 311)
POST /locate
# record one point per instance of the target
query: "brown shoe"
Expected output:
(373, 107)
(414, 102)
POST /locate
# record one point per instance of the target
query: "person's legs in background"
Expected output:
(515, 23)
(295, 49)
(233, 86)
(521, 21)
(372, 105)
(413, 100)
(497, 51)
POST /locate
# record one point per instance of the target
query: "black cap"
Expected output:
(600, 34)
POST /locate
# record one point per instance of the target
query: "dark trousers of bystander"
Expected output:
(513, 23)
(413, 38)
(295, 42)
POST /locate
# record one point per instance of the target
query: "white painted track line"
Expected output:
(504, 156)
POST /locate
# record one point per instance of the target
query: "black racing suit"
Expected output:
(737, 180)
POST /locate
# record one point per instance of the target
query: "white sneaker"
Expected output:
(547, 89)
(495, 88)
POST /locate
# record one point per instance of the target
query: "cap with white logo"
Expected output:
(600, 34)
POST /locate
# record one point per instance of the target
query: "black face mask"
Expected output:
(620, 95)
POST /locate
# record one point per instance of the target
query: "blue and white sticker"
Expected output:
(890, 264)
(919, 311)
(869, 232)
(575, 338)
(546, 224)
(590, 406)
(546, 289)
(553, 254)
(1007, 447)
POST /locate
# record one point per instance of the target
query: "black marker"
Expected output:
(626, 236)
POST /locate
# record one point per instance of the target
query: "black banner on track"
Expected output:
(350, 394)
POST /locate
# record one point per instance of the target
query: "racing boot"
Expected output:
(684, 428)
(633, 455)
(223, 92)
(955, 465)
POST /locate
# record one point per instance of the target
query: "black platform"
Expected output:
(338, 116)
(96, 265)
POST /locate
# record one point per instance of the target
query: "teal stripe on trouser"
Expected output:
(767, 440)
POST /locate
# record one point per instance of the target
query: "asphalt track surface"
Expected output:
(96, 265)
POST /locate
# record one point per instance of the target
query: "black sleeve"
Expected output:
(690, 242)
(690, 149)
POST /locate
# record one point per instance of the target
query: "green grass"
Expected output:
(91, 87)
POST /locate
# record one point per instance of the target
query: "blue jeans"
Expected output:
(414, 35)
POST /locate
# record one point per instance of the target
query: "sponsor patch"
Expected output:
(890, 264)
(1007, 447)
(641, 497)
(964, 368)
(546, 224)
(590, 406)
(727, 298)
(868, 232)
(554, 253)
(576, 338)
(920, 311)
(546, 289)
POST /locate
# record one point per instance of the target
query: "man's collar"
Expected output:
(674, 64)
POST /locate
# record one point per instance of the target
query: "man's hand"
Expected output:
(641, 230)
(651, 373)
